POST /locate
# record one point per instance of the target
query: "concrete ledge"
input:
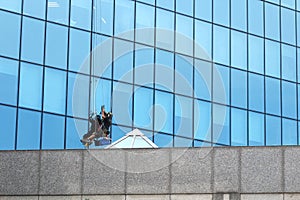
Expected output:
(148, 172)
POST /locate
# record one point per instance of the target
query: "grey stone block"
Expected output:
(191, 197)
(261, 170)
(147, 197)
(104, 197)
(148, 171)
(262, 197)
(60, 172)
(218, 197)
(226, 170)
(191, 171)
(19, 172)
(104, 172)
(60, 198)
(19, 197)
(234, 196)
(291, 169)
(291, 196)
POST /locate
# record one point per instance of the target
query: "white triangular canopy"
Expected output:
(133, 139)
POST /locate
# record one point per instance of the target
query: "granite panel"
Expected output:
(148, 171)
(226, 170)
(104, 172)
(19, 172)
(261, 170)
(191, 171)
(60, 172)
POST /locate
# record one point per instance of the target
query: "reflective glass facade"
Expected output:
(186, 73)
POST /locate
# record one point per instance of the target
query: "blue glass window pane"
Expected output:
(238, 88)
(185, 7)
(288, 62)
(238, 127)
(102, 56)
(103, 16)
(123, 63)
(145, 19)
(31, 82)
(9, 80)
(103, 97)
(221, 118)
(122, 103)
(33, 40)
(221, 12)
(256, 92)
(183, 116)
(219, 88)
(164, 20)
(79, 49)
(163, 140)
(164, 70)
(74, 133)
(81, 14)
(29, 123)
(221, 45)
(183, 75)
(143, 108)
(35, 8)
(298, 86)
(298, 28)
(272, 21)
(53, 132)
(238, 14)
(273, 131)
(167, 4)
(255, 17)
(55, 91)
(182, 142)
(152, 2)
(256, 54)
(119, 132)
(238, 49)
(203, 9)
(202, 120)
(10, 38)
(288, 3)
(272, 50)
(184, 38)
(256, 129)
(289, 106)
(8, 128)
(124, 18)
(163, 112)
(56, 46)
(273, 96)
(289, 132)
(298, 5)
(58, 11)
(202, 80)
(298, 64)
(203, 40)
(288, 26)
(144, 66)
(12, 5)
(81, 88)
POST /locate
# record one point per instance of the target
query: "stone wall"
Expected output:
(229, 173)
